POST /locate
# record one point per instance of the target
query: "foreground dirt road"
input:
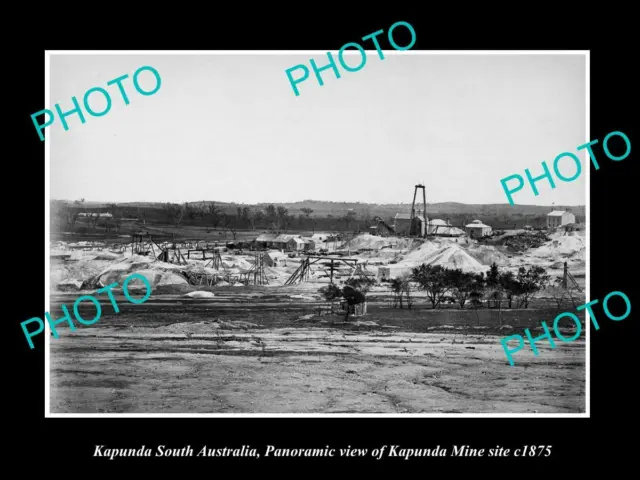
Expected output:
(213, 367)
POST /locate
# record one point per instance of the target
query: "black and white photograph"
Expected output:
(350, 250)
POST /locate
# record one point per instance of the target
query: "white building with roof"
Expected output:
(477, 229)
(96, 214)
(295, 243)
(274, 258)
(558, 218)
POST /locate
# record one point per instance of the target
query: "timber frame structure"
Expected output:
(172, 255)
(144, 245)
(413, 230)
(302, 272)
(215, 262)
(382, 227)
(568, 282)
(255, 275)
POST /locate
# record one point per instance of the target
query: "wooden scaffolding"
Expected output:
(256, 274)
(172, 255)
(333, 263)
(215, 262)
(144, 245)
(568, 282)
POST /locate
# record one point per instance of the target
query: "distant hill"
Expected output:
(329, 216)
(323, 208)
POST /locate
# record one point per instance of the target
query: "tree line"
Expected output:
(465, 288)
(270, 217)
(212, 215)
(516, 289)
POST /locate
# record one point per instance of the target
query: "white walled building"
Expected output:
(477, 229)
(558, 218)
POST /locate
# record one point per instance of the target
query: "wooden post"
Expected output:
(331, 275)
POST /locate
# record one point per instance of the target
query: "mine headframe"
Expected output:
(419, 224)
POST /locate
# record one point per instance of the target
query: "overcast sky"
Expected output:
(229, 128)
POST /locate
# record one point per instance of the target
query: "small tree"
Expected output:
(531, 281)
(461, 284)
(476, 293)
(175, 212)
(493, 276)
(201, 211)
(433, 280)
(286, 221)
(355, 293)
(271, 215)
(362, 284)
(330, 293)
(401, 287)
(232, 229)
(307, 213)
(509, 286)
(250, 216)
(282, 217)
(190, 211)
(215, 212)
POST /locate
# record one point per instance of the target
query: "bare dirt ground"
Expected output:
(231, 355)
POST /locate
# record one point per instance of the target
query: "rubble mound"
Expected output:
(156, 272)
(562, 247)
(525, 241)
(449, 255)
(375, 242)
(421, 254)
(487, 255)
(453, 256)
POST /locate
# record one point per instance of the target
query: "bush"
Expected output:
(330, 292)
